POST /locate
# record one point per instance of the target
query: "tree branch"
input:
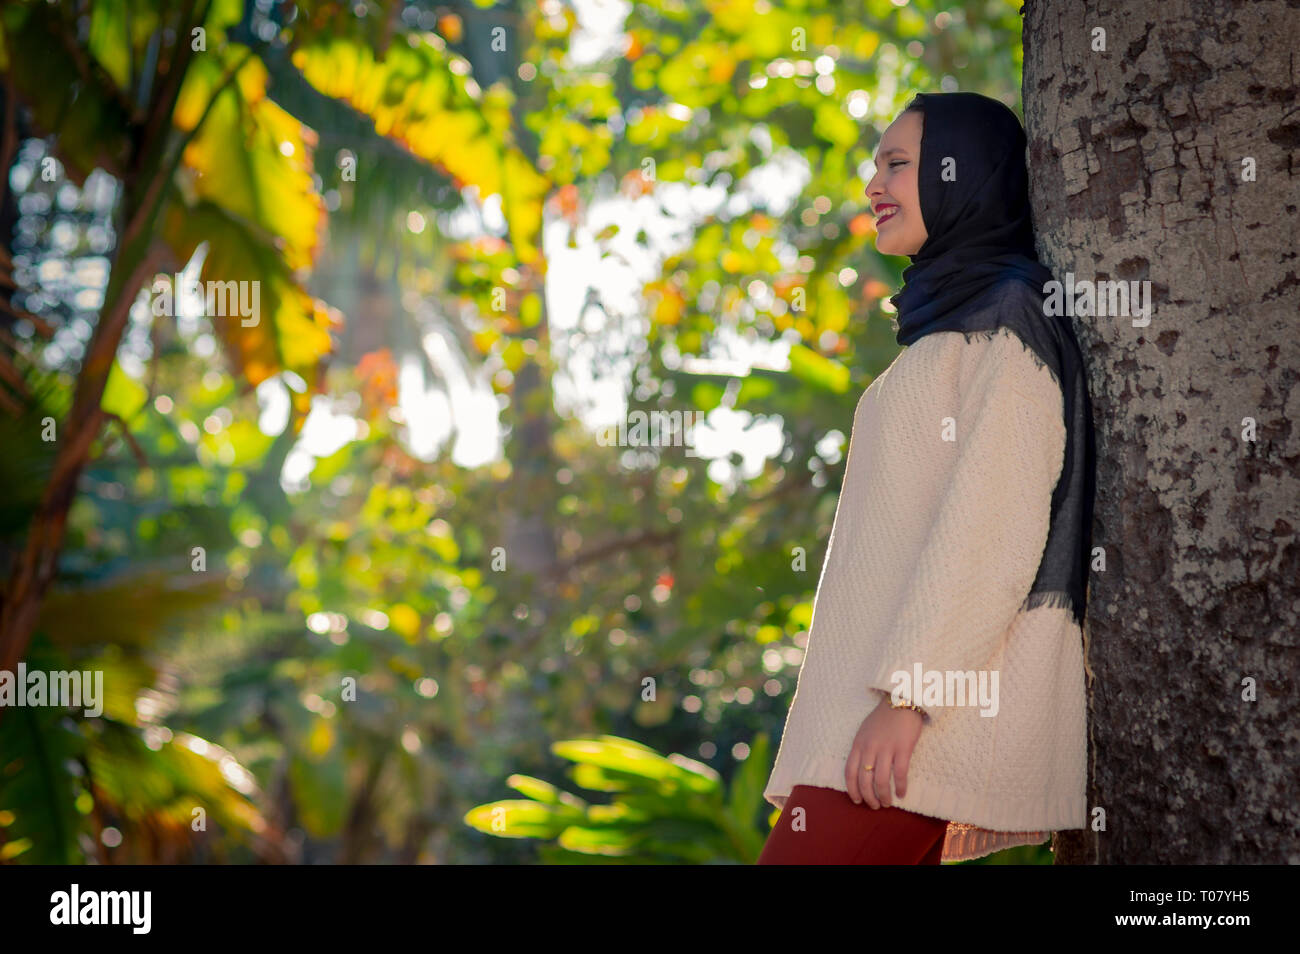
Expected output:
(9, 141)
(646, 538)
(129, 437)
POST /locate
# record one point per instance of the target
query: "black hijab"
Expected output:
(978, 272)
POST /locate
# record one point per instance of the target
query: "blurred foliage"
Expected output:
(334, 653)
(664, 810)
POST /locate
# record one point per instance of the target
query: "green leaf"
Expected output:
(320, 793)
(545, 792)
(834, 125)
(36, 786)
(755, 388)
(808, 366)
(518, 818)
(123, 395)
(132, 607)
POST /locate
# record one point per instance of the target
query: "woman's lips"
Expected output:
(886, 216)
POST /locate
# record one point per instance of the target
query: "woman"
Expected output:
(958, 558)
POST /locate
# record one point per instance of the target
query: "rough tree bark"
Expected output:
(1141, 157)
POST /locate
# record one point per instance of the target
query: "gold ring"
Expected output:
(868, 768)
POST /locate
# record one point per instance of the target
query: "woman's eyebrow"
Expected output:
(894, 150)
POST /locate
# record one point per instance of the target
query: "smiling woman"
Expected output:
(960, 540)
(892, 191)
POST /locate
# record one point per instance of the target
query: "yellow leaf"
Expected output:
(321, 738)
(405, 621)
(252, 158)
(414, 97)
(285, 328)
(513, 355)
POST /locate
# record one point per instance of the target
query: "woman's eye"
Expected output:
(898, 162)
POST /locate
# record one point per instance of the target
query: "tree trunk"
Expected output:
(530, 534)
(1171, 156)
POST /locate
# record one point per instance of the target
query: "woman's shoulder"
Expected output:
(995, 345)
(998, 360)
(992, 353)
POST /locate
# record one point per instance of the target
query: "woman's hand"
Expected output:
(884, 741)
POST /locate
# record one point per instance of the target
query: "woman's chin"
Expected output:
(892, 245)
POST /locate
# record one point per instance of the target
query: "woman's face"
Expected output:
(892, 191)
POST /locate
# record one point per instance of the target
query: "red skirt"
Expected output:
(832, 830)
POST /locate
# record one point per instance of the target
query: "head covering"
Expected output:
(978, 272)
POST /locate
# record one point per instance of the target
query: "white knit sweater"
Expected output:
(941, 523)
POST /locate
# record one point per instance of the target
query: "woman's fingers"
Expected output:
(900, 771)
(876, 769)
(868, 778)
(851, 776)
(880, 777)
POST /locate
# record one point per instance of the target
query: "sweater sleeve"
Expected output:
(988, 529)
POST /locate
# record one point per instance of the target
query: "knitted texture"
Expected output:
(939, 529)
